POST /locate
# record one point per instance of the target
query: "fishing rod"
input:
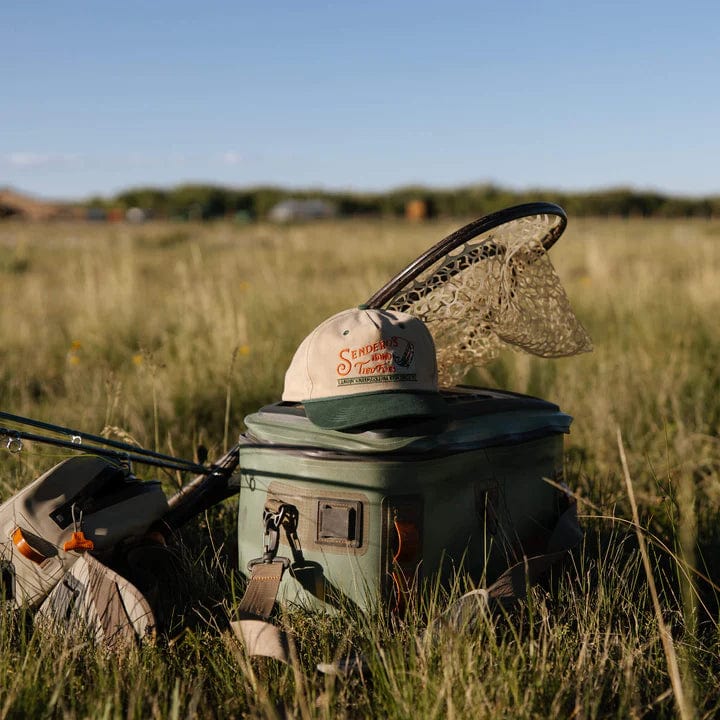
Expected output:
(14, 443)
(80, 438)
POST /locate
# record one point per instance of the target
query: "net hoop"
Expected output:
(490, 285)
(469, 232)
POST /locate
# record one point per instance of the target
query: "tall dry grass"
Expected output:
(174, 332)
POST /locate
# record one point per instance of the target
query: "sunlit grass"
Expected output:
(173, 333)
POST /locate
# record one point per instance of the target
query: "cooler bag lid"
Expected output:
(477, 418)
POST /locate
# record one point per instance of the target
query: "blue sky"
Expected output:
(98, 97)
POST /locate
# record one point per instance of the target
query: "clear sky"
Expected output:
(97, 96)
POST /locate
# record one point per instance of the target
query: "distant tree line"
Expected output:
(206, 202)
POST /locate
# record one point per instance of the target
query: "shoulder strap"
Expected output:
(252, 628)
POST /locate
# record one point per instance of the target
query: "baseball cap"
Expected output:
(366, 366)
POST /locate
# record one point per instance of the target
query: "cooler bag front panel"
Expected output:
(474, 512)
(330, 522)
(382, 513)
(338, 506)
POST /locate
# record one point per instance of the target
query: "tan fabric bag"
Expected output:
(85, 492)
(94, 601)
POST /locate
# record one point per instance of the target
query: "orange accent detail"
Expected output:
(408, 539)
(25, 549)
(407, 552)
(78, 542)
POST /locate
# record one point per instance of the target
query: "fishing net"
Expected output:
(494, 291)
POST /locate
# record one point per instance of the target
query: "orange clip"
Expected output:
(78, 542)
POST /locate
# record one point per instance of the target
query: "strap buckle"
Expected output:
(272, 521)
(261, 561)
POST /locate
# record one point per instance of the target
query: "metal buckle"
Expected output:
(14, 443)
(285, 515)
(262, 561)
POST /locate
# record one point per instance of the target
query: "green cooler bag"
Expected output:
(380, 515)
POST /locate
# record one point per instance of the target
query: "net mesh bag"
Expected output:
(494, 291)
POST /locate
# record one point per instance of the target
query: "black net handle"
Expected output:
(465, 233)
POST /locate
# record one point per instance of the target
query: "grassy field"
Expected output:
(173, 333)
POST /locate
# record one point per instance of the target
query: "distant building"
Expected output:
(96, 214)
(136, 215)
(415, 210)
(290, 210)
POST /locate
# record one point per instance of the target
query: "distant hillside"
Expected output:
(19, 205)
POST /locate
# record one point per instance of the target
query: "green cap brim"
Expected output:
(350, 411)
